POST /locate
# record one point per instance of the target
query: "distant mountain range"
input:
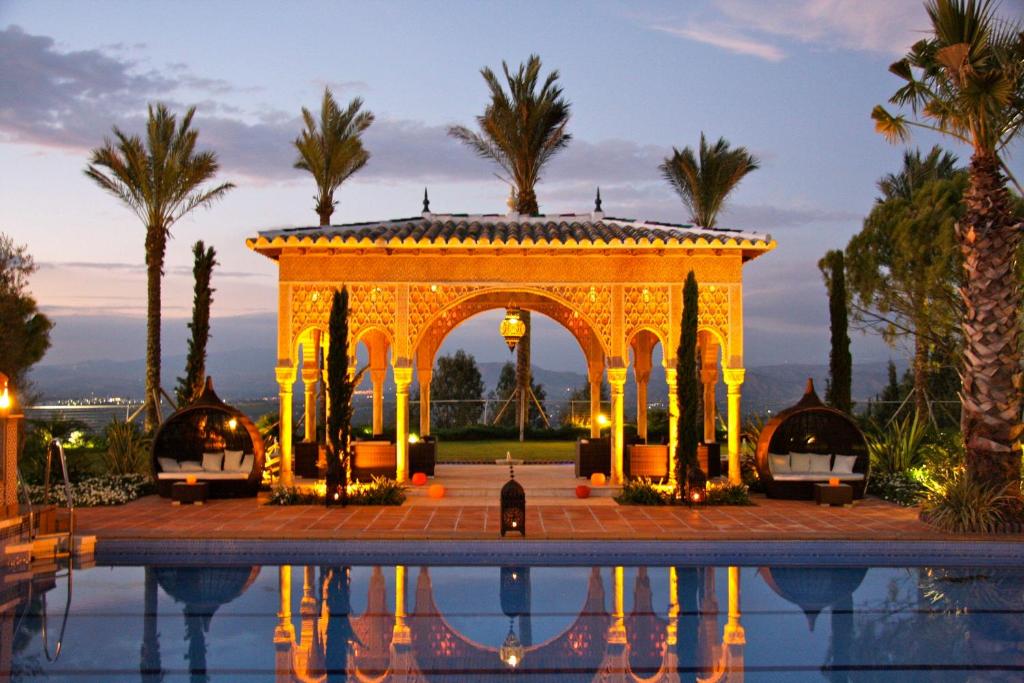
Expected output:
(248, 374)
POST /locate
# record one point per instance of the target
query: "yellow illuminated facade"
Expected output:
(614, 284)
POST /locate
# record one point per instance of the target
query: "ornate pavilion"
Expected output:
(615, 284)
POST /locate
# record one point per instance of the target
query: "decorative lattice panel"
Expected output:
(594, 302)
(369, 306)
(713, 310)
(646, 307)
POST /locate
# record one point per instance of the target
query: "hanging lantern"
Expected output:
(512, 327)
(512, 650)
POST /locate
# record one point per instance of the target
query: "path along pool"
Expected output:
(448, 623)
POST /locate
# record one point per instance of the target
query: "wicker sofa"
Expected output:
(213, 442)
(810, 443)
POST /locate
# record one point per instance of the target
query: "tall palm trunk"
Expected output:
(325, 216)
(526, 202)
(156, 246)
(523, 377)
(989, 237)
(920, 372)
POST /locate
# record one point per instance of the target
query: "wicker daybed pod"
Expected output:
(204, 440)
(810, 443)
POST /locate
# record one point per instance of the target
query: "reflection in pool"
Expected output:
(413, 623)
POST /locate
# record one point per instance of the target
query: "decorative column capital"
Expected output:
(617, 378)
(734, 635)
(310, 375)
(734, 376)
(403, 377)
(285, 375)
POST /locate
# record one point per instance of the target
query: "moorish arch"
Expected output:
(611, 281)
(385, 644)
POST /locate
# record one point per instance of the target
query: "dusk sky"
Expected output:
(794, 81)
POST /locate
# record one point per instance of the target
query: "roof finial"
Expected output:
(597, 201)
(426, 201)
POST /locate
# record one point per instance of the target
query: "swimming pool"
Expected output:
(475, 623)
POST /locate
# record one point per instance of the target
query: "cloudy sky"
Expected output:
(792, 80)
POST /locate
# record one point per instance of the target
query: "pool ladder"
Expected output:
(52, 529)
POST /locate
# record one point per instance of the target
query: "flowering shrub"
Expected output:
(643, 491)
(380, 491)
(97, 491)
(724, 493)
(902, 488)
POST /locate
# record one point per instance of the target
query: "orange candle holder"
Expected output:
(191, 479)
(833, 481)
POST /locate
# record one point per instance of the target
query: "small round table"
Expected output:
(193, 494)
(835, 496)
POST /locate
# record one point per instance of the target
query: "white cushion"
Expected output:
(814, 476)
(190, 466)
(213, 462)
(246, 465)
(202, 476)
(844, 464)
(821, 463)
(779, 463)
(233, 461)
(169, 464)
(800, 462)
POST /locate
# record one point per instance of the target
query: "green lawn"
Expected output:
(488, 451)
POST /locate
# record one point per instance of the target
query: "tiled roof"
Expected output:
(455, 230)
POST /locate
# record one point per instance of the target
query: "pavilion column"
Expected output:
(672, 628)
(310, 376)
(617, 631)
(425, 377)
(734, 382)
(641, 403)
(400, 632)
(307, 608)
(285, 379)
(377, 376)
(643, 348)
(595, 372)
(617, 380)
(709, 381)
(733, 637)
(284, 633)
(673, 422)
(403, 378)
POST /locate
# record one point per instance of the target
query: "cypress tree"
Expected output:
(840, 362)
(191, 385)
(687, 386)
(340, 388)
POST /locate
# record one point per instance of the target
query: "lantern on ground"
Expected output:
(512, 327)
(513, 506)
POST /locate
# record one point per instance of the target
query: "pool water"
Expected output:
(372, 623)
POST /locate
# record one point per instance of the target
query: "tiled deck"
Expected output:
(153, 517)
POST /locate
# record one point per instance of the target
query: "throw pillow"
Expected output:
(213, 462)
(246, 465)
(844, 464)
(779, 464)
(800, 462)
(233, 461)
(169, 465)
(821, 463)
(191, 466)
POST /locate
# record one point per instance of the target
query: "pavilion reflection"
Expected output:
(387, 643)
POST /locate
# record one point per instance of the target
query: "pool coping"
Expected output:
(823, 553)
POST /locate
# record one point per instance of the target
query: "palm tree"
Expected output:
(917, 172)
(704, 181)
(161, 179)
(333, 151)
(520, 130)
(966, 80)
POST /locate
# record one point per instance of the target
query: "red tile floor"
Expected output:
(153, 517)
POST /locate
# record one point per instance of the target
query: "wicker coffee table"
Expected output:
(835, 496)
(193, 494)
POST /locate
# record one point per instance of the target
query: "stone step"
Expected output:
(531, 491)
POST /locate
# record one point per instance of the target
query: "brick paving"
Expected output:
(153, 517)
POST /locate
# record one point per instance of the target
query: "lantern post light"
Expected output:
(512, 327)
